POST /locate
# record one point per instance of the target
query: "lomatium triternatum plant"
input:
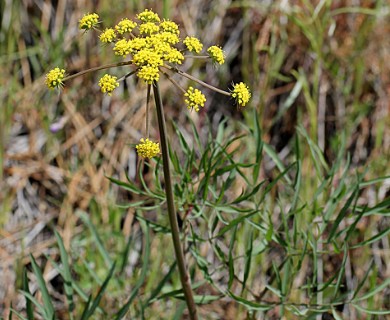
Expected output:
(152, 49)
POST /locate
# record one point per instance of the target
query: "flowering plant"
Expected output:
(152, 47)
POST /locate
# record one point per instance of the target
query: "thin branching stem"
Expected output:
(188, 76)
(184, 277)
(106, 66)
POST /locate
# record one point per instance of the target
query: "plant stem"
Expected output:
(184, 277)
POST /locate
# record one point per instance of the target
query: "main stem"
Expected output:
(185, 279)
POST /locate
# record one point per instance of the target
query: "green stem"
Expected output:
(184, 277)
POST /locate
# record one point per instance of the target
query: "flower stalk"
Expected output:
(184, 276)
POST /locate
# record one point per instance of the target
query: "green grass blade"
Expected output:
(48, 305)
(66, 272)
(29, 307)
(374, 291)
(100, 293)
(98, 241)
(370, 311)
(145, 266)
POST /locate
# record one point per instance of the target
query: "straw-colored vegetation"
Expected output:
(283, 205)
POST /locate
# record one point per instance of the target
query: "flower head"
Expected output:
(193, 44)
(241, 93)
(108, 84)
(147, 148)
(149, 74)
(148, 16)
(170, 26)
(107, 35)
(148, 28)
(216, 53)
(174, 56)
(88, 21)
(125, 25)
(195, 99)
(147, 57)
(122, 47)
(54, 78)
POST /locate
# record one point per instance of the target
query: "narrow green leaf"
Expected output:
(29, 307)
(250, 304)
(48, 305)
(66, 272)
(336, 315)
(12, 312)
(374, 291)
(230, 257)
(126, 186)
(95, 234)
(161, 284)
(375, 238)
(100, 293)
(370, 311)
(248, 260)
(271, 152)
(145, 265)
(40, 308)
(361, 283)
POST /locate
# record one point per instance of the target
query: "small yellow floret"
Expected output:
(170, 26)
(193, 44)
(195, 99)
(137, 44)
(241, 93)
(107, 35)
(88, 21)
(148, 16)
(168, 37)
(216, 54)
(54, 78)
(149, 74)
(147, 57)
(122, 47)
(147, 148)
(125, 25)
(108, 84)
(174, 56)
(148, 28)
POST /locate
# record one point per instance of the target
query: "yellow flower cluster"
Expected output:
(147, 148)
(108, 84)
(195, 99)
(241, 93)
(125, 25)
(107, 35)
(216, 54)
(153, 44)
(54, 78)
(88, 21)
(193, 44)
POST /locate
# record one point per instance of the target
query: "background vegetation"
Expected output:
(285, 204)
